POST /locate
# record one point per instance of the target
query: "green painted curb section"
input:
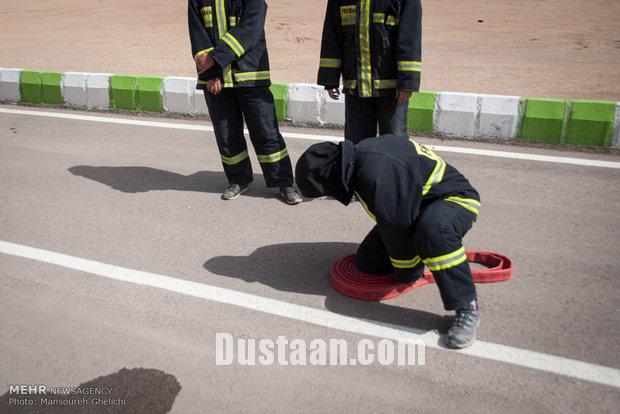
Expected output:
(420, 113)
(40, 87)
(122, 92)
(149, 94)
(543, 120)
(591, 123)
(280, 96)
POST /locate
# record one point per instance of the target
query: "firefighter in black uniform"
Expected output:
(422, 208)
(376, 46)
(230, 50)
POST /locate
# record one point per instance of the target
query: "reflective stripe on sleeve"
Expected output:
(470, 204)
(378, 17)
(392, 21)
(384, 83)
(330, 63)
(271, 158)
(409, 66)
(349, 83)
(251, 76)
(202, 52)
(234, 44)
(446, 261)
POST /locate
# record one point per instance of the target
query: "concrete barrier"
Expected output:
(122, 92)
(305, 103)
(543, 120)
(616, 143)
(455, 113)
(148, 93)
(179, 94)
(421, 110)
(74, 88)
(591, 123)
(98, 90)
(280, 97)
(333, 110)
(9, 84)
(499, 116)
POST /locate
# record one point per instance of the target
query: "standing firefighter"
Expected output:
(422, 208)
(375, 45)
(229, 47)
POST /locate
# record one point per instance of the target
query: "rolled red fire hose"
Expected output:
(349, 281)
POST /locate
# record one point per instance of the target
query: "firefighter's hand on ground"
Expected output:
(204, 63)
(333, 93)
(214, 86)
(403, 96)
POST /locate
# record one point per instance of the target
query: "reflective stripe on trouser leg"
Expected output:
(259, 112)
(360, 118)
(227, 123)
(438, 238)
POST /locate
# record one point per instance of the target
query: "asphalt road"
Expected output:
(148, 199)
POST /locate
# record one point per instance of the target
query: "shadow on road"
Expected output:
(143, 179)
(304, 268)
(137, 390)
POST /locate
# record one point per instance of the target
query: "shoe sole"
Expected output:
(232, 198)
(290, 203)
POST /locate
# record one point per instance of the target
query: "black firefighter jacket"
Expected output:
(233, 33)
(375, 45)
(394, 178)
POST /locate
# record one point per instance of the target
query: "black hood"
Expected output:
(326, 169)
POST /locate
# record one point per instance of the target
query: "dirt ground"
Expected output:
(547, 48)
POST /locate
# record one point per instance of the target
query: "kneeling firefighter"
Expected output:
(422, 208)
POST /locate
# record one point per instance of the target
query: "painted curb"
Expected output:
(9, 84)
(616, 143)
(469, 115)
(455, 113)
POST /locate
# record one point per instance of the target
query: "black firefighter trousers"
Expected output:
(227, 110)
(363, 115)
(437, 239)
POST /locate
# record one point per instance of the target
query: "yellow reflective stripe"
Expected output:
(330, 63)
(349, 83)
(348, 15)
(202, 52)
(470, 204)
(365, 206)
(378, 17)
(447, 260)
(384, 83)
(392, 21)
(251, 76)
(436, 176)
(409, 66)
(364, 29)
(439, 170)
(236, 159)
(405, 264)
(207, 16)
(234, 44)
(271, 158)
(220, 14)
(232, 21)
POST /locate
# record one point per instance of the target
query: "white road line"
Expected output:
(516, 356)
(315, 137)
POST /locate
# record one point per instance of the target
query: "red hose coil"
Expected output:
(349, 281)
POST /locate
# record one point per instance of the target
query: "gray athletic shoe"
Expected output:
(290, 195)
(462, 333)
(234, 191)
